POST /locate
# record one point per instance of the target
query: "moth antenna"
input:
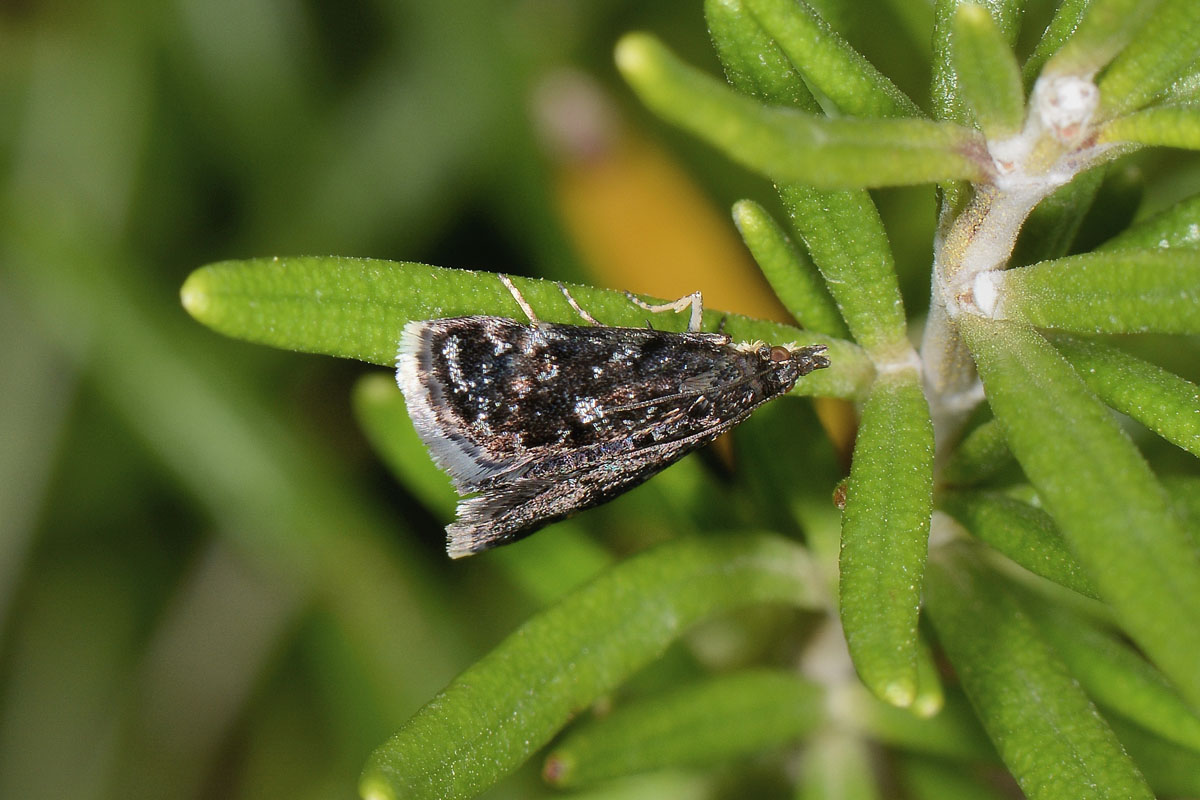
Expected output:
(695, 301)
(508, 284)
(578, 308)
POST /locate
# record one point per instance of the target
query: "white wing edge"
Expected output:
(465, 463)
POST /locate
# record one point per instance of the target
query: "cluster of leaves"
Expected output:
(1106, 610)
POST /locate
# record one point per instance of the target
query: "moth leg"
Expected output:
(694, 301)
(588, 318)
(508, 284)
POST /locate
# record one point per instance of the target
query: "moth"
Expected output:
(535, 421)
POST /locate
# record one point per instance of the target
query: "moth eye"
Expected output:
(780, 353)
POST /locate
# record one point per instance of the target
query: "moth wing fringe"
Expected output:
(478, 524)
(465, 462)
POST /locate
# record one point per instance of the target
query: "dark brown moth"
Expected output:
(536, 421)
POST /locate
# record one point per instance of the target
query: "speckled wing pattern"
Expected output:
(535, 422)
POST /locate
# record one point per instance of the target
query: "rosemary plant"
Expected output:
(992, 490)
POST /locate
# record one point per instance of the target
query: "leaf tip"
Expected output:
(194, 294)
(926, 705)
(972, 14)
(373, 787)
(557, 769)
(633, 54)
(899, 693)
(746, 215)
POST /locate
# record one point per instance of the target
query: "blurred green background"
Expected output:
(209, 586)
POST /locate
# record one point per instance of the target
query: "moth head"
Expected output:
(789, 362)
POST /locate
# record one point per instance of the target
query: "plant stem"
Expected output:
(1056, 143)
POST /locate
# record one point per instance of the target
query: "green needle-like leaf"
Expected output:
(1020, 531)
(356, 308)
(1066, 19)
(791, 146)
(846, 239)
(948, 103)
(982, 453)
(988, 76)
(1165, 48)
(1106, 27)
(1165, 126)
(1114, 515)
(491, 718)
(885, 530)
(1162, 401)
(828, 62)
(701, 724)
(1176, 226)
(841, 229)
(1119, 291)
(792, 276)
(753, 61)
(1115, 675)
(1184, 89)
(1045, 729)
